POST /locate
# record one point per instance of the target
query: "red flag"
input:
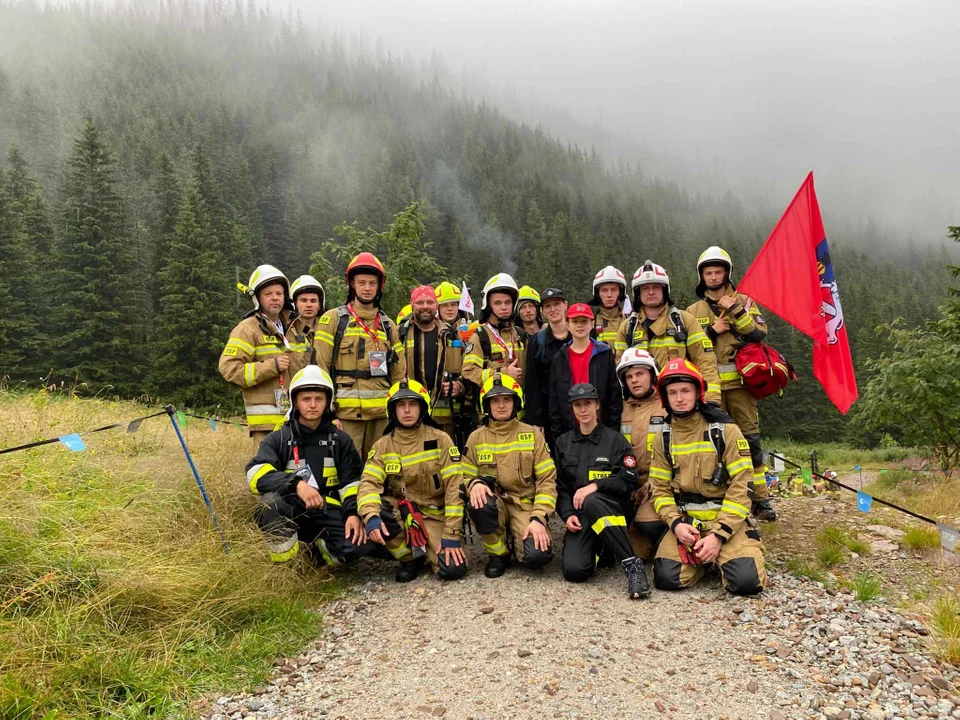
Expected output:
(792, 276)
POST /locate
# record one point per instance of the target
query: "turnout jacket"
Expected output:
(639, 424)
(483, 355)
(421, 464)
(607, 324)
(304, 336)
(682, 486)
(603, 376)
(448, 354)
(604, 457)
(660, 338)
(330, 453)
(515, 455)
(249, 360)
(360, 395)
(746, 326)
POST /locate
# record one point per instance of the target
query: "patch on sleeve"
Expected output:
(629, 461)
(324, 320)
(743, 446)
(468, 347)
(454, 452)
(372, 454)
(231, 351)
(270, 339)
(707, 345)
(703, 320)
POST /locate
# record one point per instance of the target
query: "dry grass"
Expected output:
(116, 598)
(927, 493)
(945, 626)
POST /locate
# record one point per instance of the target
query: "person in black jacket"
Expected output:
(541, 348)
(583, 360)
(596, 479)
(307, 474)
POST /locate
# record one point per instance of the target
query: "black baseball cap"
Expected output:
(583, 391)
(552, 294)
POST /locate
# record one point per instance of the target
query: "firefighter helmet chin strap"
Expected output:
(650, 391)
(688, 413)
(502, 323)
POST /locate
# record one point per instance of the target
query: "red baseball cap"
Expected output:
(579, 310)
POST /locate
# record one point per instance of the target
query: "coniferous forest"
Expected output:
(154, 156)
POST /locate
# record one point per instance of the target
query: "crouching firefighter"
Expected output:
(511, 480)
(307, 474)
(409, 495)
(641, 420)
(701, 471)
(597, 480)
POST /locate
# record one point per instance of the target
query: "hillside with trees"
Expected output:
(155, 156)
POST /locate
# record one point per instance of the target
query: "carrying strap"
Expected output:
(715, 433)
(343, 319)
(676, 319)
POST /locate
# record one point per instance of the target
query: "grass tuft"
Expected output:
(833, 540)
(945, 627)
(922, 538)
(116, 598)
(803, 568)
(867, 586)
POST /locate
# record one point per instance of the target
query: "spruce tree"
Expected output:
(195, 311)
(95, 313)
(16, 322)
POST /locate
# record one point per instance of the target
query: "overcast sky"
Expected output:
(865, 94)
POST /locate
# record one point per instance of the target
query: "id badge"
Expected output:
(312, 481)
(378, 363)
(281, 399)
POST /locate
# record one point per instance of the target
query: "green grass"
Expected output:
(830, 555)
(803, 568)
(922, 538)
(866, 586)
(837, 456)
(834, 537)
(116, 598)
(945, 628)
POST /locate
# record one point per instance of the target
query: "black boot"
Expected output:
(409, 570)
(496, 565)
(763, 511)
(637, 584)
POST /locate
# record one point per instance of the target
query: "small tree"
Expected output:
(401, 250)
(915, 391)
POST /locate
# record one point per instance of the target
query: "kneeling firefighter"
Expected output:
(409, 496)
(307, 474)
(701, 471)
(511, 480)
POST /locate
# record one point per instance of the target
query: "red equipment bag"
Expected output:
(764, 369)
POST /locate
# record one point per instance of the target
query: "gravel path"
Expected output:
(530, 645)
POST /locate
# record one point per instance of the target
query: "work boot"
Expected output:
(763, 511)
(496, 565)
(409, 570)
(637, 584)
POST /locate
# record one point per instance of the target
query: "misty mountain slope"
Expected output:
(301, 132)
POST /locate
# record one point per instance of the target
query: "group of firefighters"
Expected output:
(388, 438)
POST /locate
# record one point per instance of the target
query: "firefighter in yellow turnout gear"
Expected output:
(409, 495)
(642, 418)
(730, 319)
(700, 471)
(263, 354)
(359, 346)
(664, 330)
(609, 294)
(511, 481)
(496, 346)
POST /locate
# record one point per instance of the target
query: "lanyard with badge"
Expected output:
(378, 357)
(311, 480)
(280, 396)
(496, 336)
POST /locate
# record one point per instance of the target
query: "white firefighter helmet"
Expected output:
(635, 357)
(609, 275)
(263, 276)
(713, 255)
(501, 282)
(312, 377)
(307, 283)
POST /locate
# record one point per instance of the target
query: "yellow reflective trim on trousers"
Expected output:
(325, 337)
(250, 374)
(545, 500)
(441, 411)
(272, 420)
(735, 508)
(241, 344)
(740, 465)
(544, 466)
(399, 552)
(358, 402)
(284, 552)
(660, 503)
(453, 510)
(608, 521)
(368, 499)
(497, 548)
(729, 376)
(661, 474)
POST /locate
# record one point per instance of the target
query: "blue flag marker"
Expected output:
(74, 442)
(864, 502)
(213, 424)
(857, 468)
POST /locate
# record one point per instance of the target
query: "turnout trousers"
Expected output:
(604, 522)
(501, 514)
(740, 560)
(743, 408)
(364, 433)
(400, 549)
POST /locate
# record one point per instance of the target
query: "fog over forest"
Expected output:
(740, 94)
